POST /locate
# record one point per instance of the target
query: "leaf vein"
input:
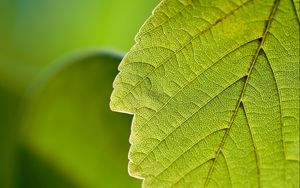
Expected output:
(254, 146)
(279, 98)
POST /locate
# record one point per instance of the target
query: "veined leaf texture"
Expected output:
(214, 89)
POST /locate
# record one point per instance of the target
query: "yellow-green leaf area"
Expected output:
(214, 89)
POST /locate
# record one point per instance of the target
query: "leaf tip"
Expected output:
(134, 171)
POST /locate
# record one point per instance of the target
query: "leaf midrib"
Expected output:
(262, 39)
(260, 48)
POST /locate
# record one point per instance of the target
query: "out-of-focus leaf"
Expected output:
(214, 87)
(69, 123)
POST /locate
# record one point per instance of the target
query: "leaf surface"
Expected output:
(214, 89)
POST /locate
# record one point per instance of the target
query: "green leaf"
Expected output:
(214, 89)
(68, 124)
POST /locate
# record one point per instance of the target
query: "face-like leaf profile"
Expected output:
(214, 89)
(69, 127)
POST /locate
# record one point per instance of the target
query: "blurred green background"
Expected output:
(56, 129)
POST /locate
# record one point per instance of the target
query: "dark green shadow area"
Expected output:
(9, 115)
(33, 172)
